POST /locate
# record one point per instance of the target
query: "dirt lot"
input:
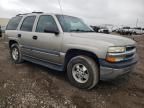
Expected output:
(32, 86)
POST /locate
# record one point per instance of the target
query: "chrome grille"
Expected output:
(129, 48)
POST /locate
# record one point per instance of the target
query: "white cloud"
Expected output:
(122, 12)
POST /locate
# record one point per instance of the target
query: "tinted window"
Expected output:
(28, 23)
(13, 23)
(45, 21)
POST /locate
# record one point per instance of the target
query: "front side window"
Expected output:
(28, 23)
(72, 24)
(45, 21)
(13, 23)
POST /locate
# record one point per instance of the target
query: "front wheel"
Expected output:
(15, 54)
(83, 72)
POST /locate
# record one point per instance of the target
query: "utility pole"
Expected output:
(137, 22)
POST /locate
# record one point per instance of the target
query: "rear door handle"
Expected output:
(35, 37)
(19, 36)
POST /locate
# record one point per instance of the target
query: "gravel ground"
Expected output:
(32, 86)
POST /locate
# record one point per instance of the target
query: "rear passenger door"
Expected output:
(11, 29)
(25, 35)
(47, 45)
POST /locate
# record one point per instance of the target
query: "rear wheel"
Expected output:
(83, 72)
(15, 53)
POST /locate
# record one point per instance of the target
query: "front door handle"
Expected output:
(19, 35)
(35, 37)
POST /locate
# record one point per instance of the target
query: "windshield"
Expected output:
(73, 24)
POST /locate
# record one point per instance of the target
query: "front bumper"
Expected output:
(113, 70)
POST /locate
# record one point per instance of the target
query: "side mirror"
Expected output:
(51, 29)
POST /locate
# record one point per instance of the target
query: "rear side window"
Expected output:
(13, 23)
(28, 23)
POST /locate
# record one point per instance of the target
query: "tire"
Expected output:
(92, 72)
(18, 59)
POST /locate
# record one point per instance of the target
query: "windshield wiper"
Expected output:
(78, 30)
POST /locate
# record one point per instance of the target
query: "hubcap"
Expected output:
(15, 53)
(80, 73)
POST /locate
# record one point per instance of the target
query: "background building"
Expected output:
(3, 21)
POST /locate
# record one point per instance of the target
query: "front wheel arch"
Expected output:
(76, 52)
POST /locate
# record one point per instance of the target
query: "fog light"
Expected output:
(111, 59)
(114, 59)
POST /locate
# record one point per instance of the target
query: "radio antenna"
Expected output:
(59, 1)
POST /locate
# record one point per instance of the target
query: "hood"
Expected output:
(113, 40)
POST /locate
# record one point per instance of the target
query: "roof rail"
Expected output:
(29, 13)
(22, 14)
(37, 12)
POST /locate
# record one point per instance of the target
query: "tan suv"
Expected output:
(66, 43)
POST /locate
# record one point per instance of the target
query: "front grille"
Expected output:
(129, 48)
(129, 56)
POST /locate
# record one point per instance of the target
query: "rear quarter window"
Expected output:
(13, 23)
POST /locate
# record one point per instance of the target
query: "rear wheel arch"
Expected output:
(11, 42)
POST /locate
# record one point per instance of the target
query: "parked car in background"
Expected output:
(138, 30)
(0, 32)
(115, 29)
(66, 43)
(103, 30)
(142, 30)
(3, 28)
(126, 31)
(130, 31)
(95, 28)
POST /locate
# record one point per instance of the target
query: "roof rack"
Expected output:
(29, 13)
(37, 12)
(22, 14)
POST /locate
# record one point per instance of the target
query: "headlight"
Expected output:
(111, 58)
(116, 49)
